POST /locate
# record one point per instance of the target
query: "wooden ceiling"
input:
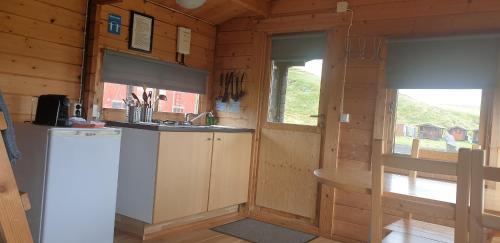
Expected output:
(219, 11)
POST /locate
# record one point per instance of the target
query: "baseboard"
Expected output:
(194, 222)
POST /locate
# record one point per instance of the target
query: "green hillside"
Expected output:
(302, 97)
(302, 101)
(413, 112)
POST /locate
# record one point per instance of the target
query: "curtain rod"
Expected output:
(180, 12)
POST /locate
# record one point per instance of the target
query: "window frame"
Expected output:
(392, 109)
(389, 128)
(281, 86)
(118, 114)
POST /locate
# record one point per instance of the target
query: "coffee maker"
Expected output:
(52, 110)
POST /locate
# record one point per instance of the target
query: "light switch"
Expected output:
(344, 118)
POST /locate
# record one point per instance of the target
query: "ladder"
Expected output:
(13, 204)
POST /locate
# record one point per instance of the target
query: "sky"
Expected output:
(314, 66)
(456, 97)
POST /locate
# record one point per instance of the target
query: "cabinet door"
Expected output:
(230, 169)
(183, 175)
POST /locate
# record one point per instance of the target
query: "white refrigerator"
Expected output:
(70, 175)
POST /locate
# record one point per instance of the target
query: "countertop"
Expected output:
(168, 128)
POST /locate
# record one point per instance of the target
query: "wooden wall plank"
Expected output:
(19, 45)
(78, 6)
(38, 68)
(40, 51)
(30, 86)
(39, 30)
(45, 13)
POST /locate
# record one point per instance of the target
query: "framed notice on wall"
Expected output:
(141, 32)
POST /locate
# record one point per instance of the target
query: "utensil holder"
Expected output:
(146, 114)
(134, 114)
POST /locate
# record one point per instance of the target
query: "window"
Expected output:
(178, 102)
(443, 120)
(295, 91)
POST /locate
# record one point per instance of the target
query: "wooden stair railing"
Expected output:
(14, 226)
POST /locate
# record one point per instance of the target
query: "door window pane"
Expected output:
(294, 92)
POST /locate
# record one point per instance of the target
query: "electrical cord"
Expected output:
(347, 54)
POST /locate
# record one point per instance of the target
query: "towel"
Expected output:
(8, 135)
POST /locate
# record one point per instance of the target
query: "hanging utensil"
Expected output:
(236, 95)
(221, 87)
(242, 90)
(225, 98)
(233, 77)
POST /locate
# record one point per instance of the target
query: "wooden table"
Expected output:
(349, 180)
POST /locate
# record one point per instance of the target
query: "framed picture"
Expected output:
(141, 32)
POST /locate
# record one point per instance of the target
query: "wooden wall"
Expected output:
(164, 42)
(373, 19)
(41, 44)
(40, 51)
(239, 48)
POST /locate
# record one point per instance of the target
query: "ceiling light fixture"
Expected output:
(190, 4)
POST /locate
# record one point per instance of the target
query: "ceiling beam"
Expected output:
(260, 7)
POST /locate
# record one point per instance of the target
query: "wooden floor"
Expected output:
(205, 236)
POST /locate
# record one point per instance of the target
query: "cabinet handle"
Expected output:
(219, 139)
(209, 139)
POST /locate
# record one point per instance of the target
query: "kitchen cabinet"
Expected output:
(182, 174)
(165, 176)
(230, 169)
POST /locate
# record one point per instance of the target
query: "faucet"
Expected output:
(189, 121)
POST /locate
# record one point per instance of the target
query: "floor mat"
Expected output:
(260, 232)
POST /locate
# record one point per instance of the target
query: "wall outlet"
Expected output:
(77, 110)
(342, 6)
(96, 113)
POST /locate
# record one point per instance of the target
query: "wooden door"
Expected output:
(285, 179)
(289, 151)
(230, 169)
(183, 175)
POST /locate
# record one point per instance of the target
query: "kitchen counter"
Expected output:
(172, 128)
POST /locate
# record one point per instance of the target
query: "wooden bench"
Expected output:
(459, 169)
(481, 222)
